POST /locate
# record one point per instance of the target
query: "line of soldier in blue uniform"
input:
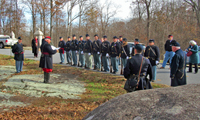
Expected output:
(101, 52)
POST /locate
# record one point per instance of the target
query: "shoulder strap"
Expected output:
(140, 70)
(124, 51)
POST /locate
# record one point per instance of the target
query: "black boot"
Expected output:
(45, 77)
(48, 77)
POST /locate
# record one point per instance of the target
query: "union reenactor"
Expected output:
(17, 49)
(81, 53)
(133, 68)
(61, 44)
(46, 61)
(105, 50)
(88, 52)
(136, 42)
(35, 46)
(97, 52)
(125, 52)
(120, 43)
(177, 71)
(153, 54)
(68, 51)
(114, 54)
(74, 48)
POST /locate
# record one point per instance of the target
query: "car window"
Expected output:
(4, 38)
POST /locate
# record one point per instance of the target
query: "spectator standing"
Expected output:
(194, 58)
(169, 53)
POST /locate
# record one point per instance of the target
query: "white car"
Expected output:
(132, 45)
(5, 40)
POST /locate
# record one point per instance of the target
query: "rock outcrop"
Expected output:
(177, 103)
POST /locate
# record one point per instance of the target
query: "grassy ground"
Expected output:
(100, 87)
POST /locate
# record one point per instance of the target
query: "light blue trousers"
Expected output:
(74, 57)
(81, 58)
(115, 63)
(168, 55)
(62, 57)
(97, 61)
(154, 71)
(19, 66)
(105, 61)
(124, 62)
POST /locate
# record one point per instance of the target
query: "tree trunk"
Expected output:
(51, 18)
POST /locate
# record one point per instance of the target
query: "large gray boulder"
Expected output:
(177, 103)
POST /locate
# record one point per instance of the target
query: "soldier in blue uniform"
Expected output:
(88, 52)
(136, 42)
(125, 52)
(81, 44)
(114, 54)
(105, 50)
(74, 49)
(61, 44)
(68, 51)
(178, 63)
(133, 67)
(97, 52)
(17, 49)
(46, 62)
(153, 54)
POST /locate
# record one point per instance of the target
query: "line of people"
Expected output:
(101, 50)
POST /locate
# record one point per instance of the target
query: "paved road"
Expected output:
(162, 74)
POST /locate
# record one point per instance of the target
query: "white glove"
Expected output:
(117, 57)
(89, 53)
(127, 57)
(82, 52)
(107, 55)
(157, 62)
(76, 51)
(98, 52)
(70, 51)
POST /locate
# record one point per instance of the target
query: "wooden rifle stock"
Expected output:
(121, 73)
(111, 67)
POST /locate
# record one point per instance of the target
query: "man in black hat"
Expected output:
(74, 48)
(114, 54)
(96, 52)
(88, 52)
(46, 61)
(17, 49)
(177, 71)
(68, 51)
(61, 44)
(81, 44)
(105, 50)
(125, 52)
(133, 68)
(153, 54)
(136, 42)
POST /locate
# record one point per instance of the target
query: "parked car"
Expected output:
(132, 45)
(5, 40)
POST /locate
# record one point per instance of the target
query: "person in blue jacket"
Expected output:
(18, 51)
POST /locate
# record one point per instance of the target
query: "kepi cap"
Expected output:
(73, 35)
(115, 37)
(137, 40)
(61, 37)
(80, 36)
(175, 44)
(87, 35)
(151, 40)
(139, 47)
(19, 38)
(96, 35)
(104, 36)
(124, 39)
(48, 37)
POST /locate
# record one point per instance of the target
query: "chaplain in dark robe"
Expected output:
(35, 46)
(177, 73)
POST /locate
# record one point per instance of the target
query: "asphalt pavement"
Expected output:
(162, 74)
